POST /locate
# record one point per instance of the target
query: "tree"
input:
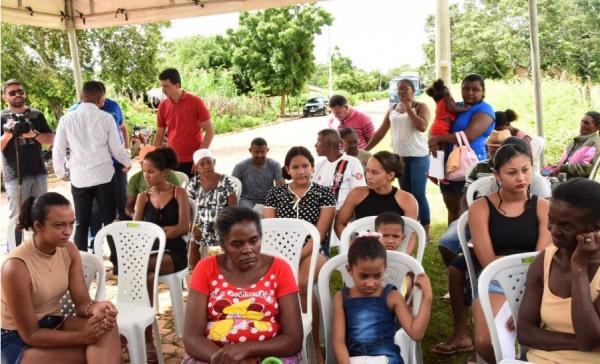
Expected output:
(273, 49)
(128, 56)
(491, 37)
(124, 57)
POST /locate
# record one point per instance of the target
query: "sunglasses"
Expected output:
(16, 92)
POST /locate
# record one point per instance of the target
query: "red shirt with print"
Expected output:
(237, 314)
(183, 121)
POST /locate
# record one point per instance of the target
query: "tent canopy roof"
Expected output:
(89, 14)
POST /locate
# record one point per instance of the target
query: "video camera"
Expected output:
(19, 127)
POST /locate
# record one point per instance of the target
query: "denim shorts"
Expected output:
(13, 346)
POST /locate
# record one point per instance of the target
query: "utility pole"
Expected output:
(443, 59)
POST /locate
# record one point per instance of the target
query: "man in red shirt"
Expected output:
(346, 117)
(184, 116)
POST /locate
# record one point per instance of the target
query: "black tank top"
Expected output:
(374, 204)
(168, 216)
(513, 235)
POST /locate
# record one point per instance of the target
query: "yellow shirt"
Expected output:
(556, 316)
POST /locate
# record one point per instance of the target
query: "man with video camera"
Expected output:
(24, 130)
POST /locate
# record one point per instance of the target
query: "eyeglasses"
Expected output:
(16, 92)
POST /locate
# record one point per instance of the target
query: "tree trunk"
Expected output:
(282, 106)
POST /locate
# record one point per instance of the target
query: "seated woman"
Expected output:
(35, 276)
(212, 192)
(506, 222)
(559, 318)
(581, 154)
(306, 200)
(165, 205)
(379, 195)
(239, 300)
(503, 120)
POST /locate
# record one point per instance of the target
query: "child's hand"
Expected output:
(424, 284)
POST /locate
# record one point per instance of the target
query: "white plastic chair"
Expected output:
(538, 144)
(92, 268)
(10, 233)
(511, 273)
(592, 175)
(368, 224)
(285, 238)
(482, 187)
(134, 241)
(238, 187)
(466, 244)
(399, 264)
(183, 178)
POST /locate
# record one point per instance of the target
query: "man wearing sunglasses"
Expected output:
(32, 170)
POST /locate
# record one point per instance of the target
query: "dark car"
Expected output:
(316, 105)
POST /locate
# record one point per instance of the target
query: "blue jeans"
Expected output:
(415, 182)
(32, 186)
(449, 239)
(13, 345)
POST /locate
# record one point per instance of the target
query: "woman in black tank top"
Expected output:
(379, 195)
(509, 221)
(167, 206)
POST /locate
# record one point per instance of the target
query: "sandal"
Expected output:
(449, 349)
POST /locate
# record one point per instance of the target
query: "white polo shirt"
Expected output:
(353, 176)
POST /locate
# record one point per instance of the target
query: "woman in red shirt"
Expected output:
(239, 299)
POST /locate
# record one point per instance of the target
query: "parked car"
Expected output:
(316, 105)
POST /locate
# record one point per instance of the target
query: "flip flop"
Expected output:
(449, 349)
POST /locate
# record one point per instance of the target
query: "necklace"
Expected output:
(44, 258)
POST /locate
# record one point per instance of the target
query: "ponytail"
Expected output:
(36, 208)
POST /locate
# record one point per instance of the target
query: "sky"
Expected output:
(375, 34)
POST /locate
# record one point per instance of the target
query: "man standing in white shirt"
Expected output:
(92, 138)
(338, 170)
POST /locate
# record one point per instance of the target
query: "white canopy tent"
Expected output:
(71, 15)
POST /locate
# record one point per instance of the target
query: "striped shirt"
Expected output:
(91, 136)
(360, 122)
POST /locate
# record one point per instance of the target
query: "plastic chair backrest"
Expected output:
(463, 224)
(133, 241)
(511, 273)
(538, 144)
(238, 187)
(399, 264)
(183, 178)
(482, 187)
(368, 224)
(592, 175)
(285, 238)
(92, 269)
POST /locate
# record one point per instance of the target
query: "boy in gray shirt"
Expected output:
(257, 174)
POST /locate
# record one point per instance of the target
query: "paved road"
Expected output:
(232, 148)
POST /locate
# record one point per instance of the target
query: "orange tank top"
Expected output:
(49, 275)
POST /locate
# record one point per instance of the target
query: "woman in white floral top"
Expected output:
(212, 192)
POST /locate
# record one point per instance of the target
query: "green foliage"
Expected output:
(127, 55)
(273, 49)
(492, 38)
(40, 58)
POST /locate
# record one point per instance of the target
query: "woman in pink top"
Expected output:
(559, 318)
(239, 300)
(581, 154)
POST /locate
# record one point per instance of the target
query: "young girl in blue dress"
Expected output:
(367, 316)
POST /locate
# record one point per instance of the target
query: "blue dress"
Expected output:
(371, 326)
(464, 119)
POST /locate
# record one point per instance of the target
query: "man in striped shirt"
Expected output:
(346, 117)
(92, 138)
